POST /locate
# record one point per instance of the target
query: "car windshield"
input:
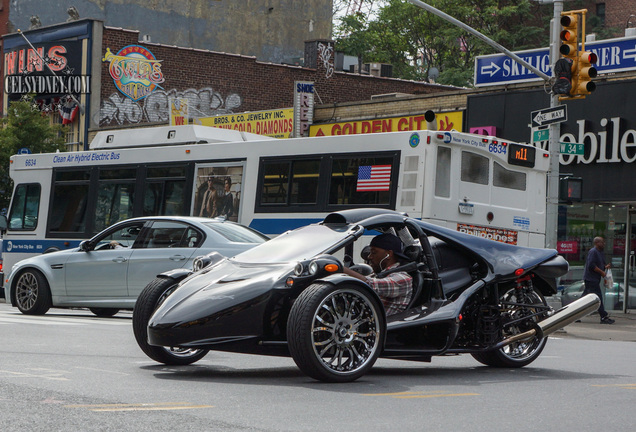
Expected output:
(237, 233)
(297, 245)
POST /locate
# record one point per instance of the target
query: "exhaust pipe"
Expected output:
(564, 316)
(431, 123)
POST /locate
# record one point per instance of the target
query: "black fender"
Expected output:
(176, 274)
(341, 278)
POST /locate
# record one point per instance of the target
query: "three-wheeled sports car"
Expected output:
(289, 296)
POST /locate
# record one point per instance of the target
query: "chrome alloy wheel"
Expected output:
(26, 291)
(183, 352)
(345, 331)
(523, 350)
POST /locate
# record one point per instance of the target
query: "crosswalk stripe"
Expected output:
(45, 320)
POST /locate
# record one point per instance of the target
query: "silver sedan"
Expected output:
(107, 272)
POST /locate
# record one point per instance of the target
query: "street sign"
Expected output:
(24, 150)
(614, 55)
(548, 116)
(540, 135)
(572, 148)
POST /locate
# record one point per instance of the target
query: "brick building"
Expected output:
(212, 82)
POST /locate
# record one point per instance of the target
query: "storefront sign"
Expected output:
(303, 107)
(135, 71)
(497, 234)
(273, 123)
(568, 247)
(178, 111)
(445, 121)
(49, 69)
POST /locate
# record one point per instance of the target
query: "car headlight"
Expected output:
(299, 269)
(198, 264)
(313, 268)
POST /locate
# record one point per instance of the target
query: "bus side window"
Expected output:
(25, 207)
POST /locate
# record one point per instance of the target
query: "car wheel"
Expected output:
(335, 333)
(517, 354)
(104, 312)
(148, 301)
(32, 293)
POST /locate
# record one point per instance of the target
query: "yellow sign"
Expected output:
(273, 123)
(445, 121)
(178, 112)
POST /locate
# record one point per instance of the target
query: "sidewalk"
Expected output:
(624, 329)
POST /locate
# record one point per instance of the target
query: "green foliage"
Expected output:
(24, 127)
(414, 40)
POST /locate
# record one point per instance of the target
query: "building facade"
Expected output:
(270, 30)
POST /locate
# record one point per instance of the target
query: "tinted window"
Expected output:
(165, 234)
(356, 180)
(290, 182)
(25, 207)
(124, 236)
(506, 178)
(443, 172)
(474, 168)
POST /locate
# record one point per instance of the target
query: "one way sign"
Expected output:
(548, 116)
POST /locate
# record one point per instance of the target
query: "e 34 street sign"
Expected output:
(614, 55)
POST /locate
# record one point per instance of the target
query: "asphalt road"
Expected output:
(72, 371)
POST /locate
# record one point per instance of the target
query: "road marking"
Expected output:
(51, 375)
(61, 321)
(624, 386)
(163, 406)
(421, 395)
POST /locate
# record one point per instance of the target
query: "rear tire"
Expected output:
(104, 312)
(148, 301)
(32, 293)
(517, 354)
(336, 333)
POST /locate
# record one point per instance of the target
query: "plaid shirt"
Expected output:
(395, 290)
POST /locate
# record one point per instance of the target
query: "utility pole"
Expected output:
(552, 202)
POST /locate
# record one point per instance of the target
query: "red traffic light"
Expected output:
(589, 57)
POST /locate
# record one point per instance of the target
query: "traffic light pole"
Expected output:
(552, 202)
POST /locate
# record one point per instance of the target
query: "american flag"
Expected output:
(374, 178)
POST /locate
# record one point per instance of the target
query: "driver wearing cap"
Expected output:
(395, 288)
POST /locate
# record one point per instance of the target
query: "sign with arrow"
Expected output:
(614, 55)
(548, 116)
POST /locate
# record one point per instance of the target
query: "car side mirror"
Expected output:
(85, 246)
(3, 224)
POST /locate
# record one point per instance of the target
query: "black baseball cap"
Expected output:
(390, 242)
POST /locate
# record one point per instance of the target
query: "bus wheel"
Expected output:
(32, 293)
(104, 312)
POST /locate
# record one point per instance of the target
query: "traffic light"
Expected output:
(569, 36)
(585, 72)
(582, 69)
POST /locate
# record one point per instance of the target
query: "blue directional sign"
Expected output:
(614, 55)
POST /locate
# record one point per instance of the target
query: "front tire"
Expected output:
(149, 300)
(32, 293)
(336, 333)
(518, 354)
